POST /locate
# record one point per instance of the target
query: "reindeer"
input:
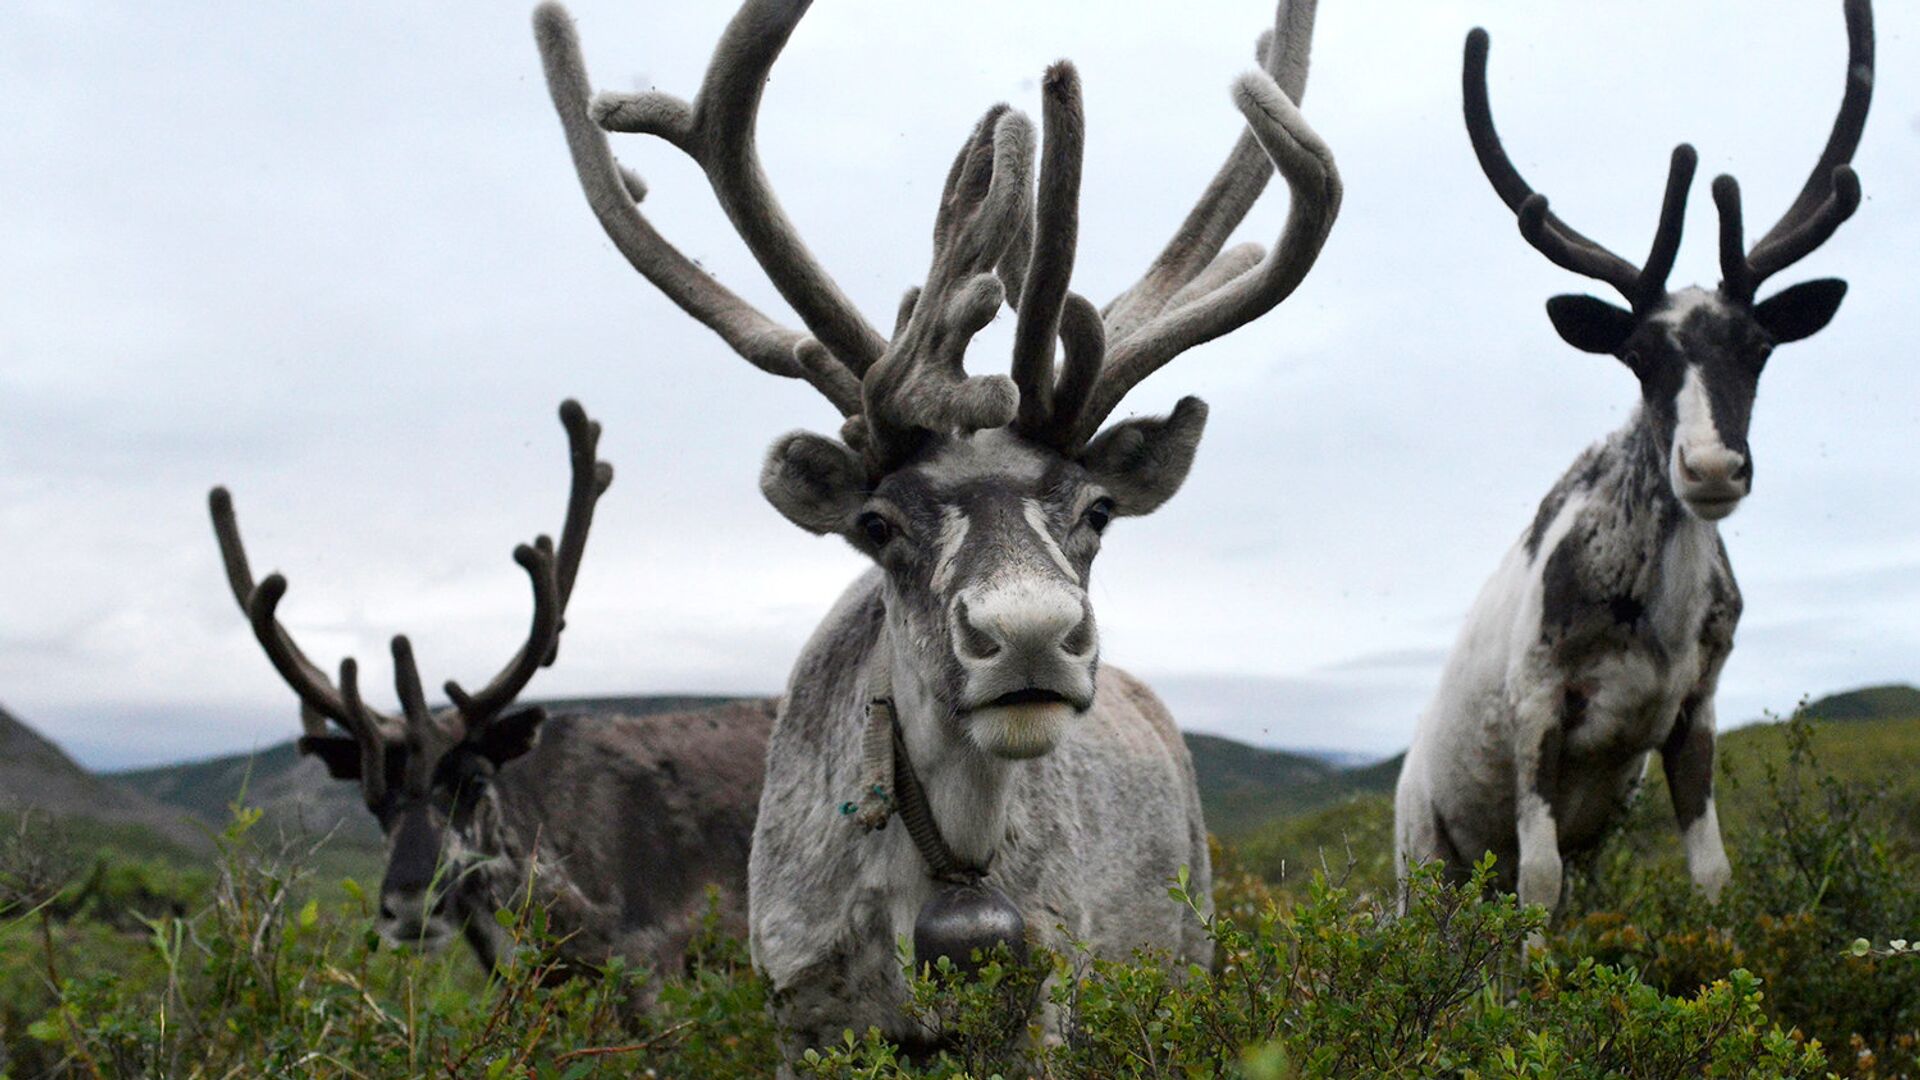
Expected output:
(1602, 636)
(616, 823)
(957, 683)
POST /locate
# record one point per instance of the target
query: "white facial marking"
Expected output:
(1037, 518)
(953, 532)
(1684, 303)
(1694, 431)
(1702, 467)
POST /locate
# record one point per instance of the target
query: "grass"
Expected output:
(261, 963)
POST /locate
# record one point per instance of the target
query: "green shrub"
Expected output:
(114, 967)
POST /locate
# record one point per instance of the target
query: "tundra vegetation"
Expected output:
(119, 960)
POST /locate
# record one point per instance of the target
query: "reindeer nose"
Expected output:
(1023, 628)
(1712, 465)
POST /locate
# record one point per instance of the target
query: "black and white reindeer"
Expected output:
(1602, 636)
(958, 681)
(616, 822)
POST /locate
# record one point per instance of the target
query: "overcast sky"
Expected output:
(335, 257)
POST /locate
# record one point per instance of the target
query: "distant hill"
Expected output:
(1243, 787)
(1893, 701)
(37, 775)
(1280, 803)
(1871, 752)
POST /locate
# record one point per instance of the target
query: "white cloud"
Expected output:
(335, 257)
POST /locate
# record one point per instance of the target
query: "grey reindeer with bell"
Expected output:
(1602, 636)
(617, 824)
(957, 684)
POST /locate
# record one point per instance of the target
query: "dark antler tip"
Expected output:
(402, 649)
(1477, 41)
(525, 555)
(551, 14)
(1686, 155)
(1846, 184)
(1189, 409)
(272, 587)
(220, 499)
(1062, 77)
(1725, 187)
(602, 476)
(571, 412)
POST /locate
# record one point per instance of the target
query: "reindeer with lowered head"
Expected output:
(957, 684)
(618, 823)
(1602, 636)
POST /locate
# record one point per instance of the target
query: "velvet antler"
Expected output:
(1643, 286)
(552, 572)
(991, 245)
(1828, 198)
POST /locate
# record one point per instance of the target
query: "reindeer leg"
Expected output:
(1537, 780)
(1687, 757)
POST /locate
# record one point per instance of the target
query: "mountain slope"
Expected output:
(1889, 702)
(1243, 787)
(37, 775)
(1874, 751)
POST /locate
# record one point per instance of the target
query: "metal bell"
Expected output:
(963, 917)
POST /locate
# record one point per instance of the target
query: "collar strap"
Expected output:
(890, 786)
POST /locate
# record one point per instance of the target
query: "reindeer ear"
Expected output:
(1801, 311)
(339, 753)
(817, 483)
(512, 735)
(1143, 461)
(1590, 324)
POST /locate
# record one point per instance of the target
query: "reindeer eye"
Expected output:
(876, 529)
(1099, 515)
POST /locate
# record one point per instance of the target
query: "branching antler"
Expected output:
(717, 132)
(990, 245)
(552, 572)
(921, 384)
(1828, 198)
(1566, 246)
(259, 603)
(552, 575)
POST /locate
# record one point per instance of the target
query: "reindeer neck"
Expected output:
(1633, 494)
(967, 789)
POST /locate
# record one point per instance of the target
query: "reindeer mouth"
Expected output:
(428, 939)
(1032, 695)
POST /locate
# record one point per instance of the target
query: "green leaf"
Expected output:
(310, 915)
(1861, 947)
